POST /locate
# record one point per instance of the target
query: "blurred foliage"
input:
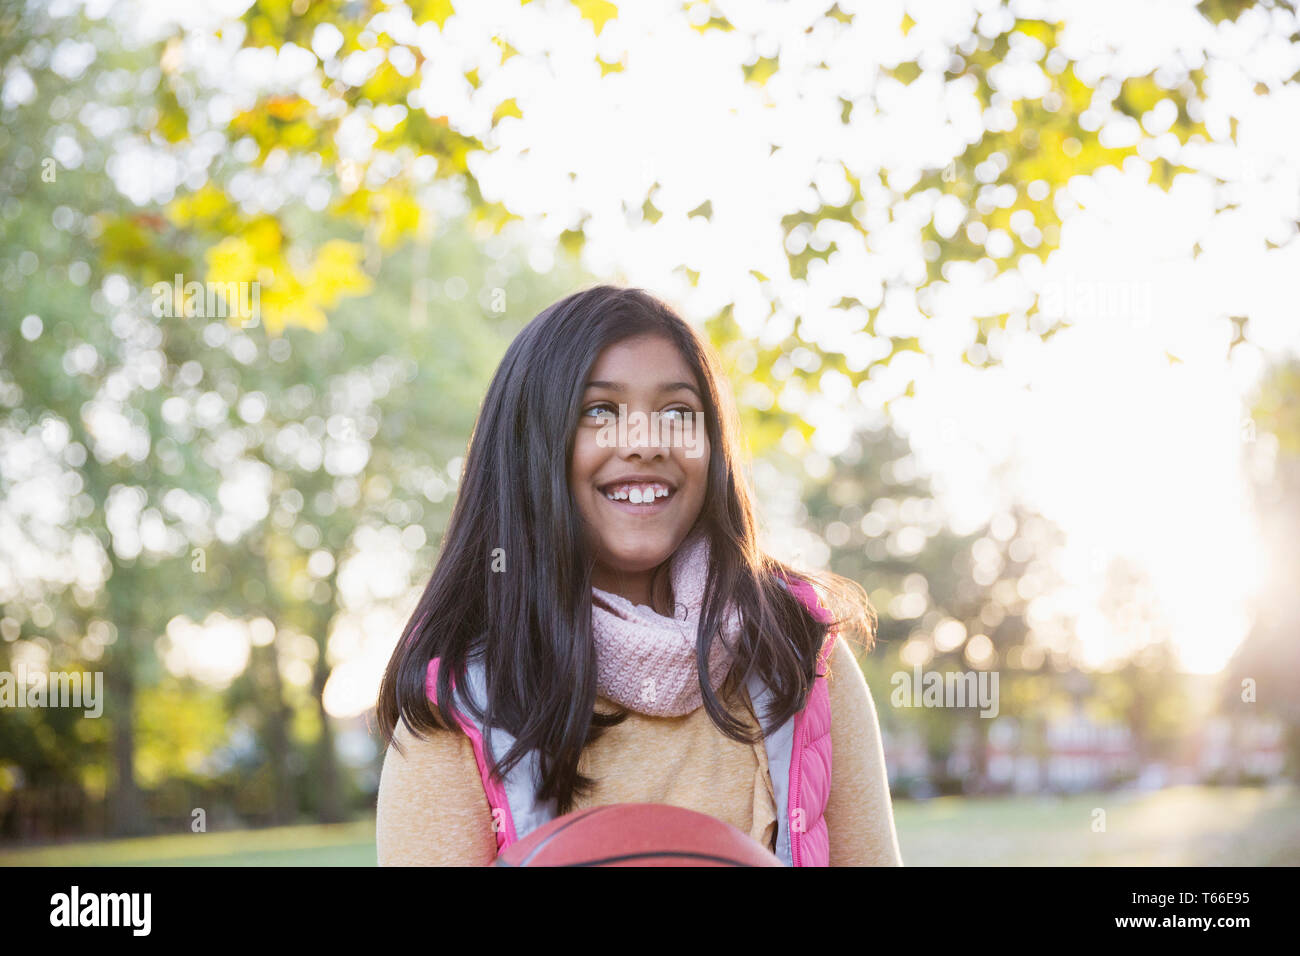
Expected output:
(354, 421)
(384, 308)
(1277, 411)
(1051, 139)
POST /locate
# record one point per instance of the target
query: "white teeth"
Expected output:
(638, 494)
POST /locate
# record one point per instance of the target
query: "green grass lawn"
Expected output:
(1194, 826)
(1180, 826)
(339, 844)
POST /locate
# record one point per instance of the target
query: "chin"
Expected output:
(642, 554)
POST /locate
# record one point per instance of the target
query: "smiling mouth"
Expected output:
(639, 492)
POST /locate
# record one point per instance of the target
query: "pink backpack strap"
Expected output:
(811, 757)
(502, 823)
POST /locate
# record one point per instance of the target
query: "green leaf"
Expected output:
(1216, 11)
(649, 211)
(762, 69)
(906, 72)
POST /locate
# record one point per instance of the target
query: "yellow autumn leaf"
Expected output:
(281, 311)
(201, 206)
(1040, 30)
(1141, 93)
(287, 296)
(265, 237)
(506, 108)
(336, 272)
(401, 217)
(286, 108)
(599, 12)
(232, 260)
(436, 10)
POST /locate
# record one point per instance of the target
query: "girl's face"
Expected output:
(639, 471)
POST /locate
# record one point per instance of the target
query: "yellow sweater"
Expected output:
(432, 809)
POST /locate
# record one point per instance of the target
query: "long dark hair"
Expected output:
(532, 623)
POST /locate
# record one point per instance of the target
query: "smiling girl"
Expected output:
(602, 627)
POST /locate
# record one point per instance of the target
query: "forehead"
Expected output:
(643, 359)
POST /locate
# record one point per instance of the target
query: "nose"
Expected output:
(644, 440)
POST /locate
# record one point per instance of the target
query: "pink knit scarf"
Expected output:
(645, 661)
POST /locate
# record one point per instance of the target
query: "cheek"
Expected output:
(697, 473)
(585, 461)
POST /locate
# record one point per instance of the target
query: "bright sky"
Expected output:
(1137, 459)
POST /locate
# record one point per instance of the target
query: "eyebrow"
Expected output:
(665, 387)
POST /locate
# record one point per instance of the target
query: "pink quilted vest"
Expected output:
(798, 756)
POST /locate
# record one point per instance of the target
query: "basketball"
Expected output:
(637, 834)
